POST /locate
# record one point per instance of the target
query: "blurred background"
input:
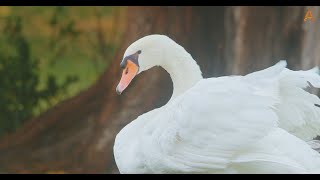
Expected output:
(59, 67)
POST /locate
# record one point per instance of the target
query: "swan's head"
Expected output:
(142, 55)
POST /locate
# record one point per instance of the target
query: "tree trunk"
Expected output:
(77, 135)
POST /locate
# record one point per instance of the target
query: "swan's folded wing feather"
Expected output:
(210, 124)
(269, 72)
(298, 110)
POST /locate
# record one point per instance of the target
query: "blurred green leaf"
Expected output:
(20, 78)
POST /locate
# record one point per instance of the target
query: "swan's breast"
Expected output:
(128, 154)
(132, 144)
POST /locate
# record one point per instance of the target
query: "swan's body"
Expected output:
(258, 123)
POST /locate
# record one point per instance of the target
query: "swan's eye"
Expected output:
(127, 70)
(139, 52)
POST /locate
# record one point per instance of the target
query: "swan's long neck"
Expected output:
(183, 69)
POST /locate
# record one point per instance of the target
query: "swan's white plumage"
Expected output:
(232, 124)
(296, 110)
(298, 113)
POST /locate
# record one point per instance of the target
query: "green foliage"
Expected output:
(19, 78)
(49, 54)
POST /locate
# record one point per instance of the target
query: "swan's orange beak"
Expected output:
(128, 73)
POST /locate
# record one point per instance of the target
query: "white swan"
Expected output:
(231, 124)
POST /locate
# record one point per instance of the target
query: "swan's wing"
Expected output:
(279, 152)
(224, 125)
(204, 129)
(315, 144)
(269, 72)
(298, 110)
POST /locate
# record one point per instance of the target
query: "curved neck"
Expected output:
(183, 69)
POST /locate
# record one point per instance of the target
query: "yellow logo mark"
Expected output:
(308, 16)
